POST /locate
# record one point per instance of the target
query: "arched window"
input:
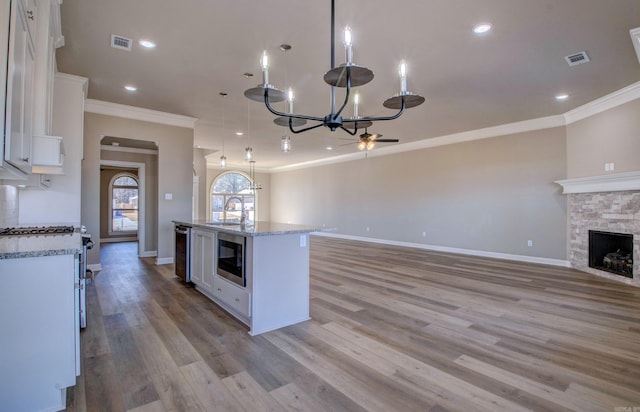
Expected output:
(229, 192)
(124, 203)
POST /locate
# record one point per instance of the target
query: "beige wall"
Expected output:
(175, 171)
(263, 196)
(488, 195)
(610, 136)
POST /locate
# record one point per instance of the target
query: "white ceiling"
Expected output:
(470, 82)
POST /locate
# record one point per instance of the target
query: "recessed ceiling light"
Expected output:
(146, 43)
(562, 96)
(239, 133)
(329, 148)
(482, 28)
(130, 88)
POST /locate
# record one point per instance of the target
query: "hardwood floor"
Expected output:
(393, 329)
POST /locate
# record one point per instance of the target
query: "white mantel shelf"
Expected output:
(606, 183)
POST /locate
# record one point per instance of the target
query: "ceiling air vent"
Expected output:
(577, 58)
(119, 42)
(635, 38)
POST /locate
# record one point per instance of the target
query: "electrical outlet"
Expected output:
(303, 240)
(529, 243)
(367, 228)
(424, 234)
(612, 167)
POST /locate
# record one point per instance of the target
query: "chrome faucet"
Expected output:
(243, 213)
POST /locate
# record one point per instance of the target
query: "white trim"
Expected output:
(635, 39)
(502, 130)
(150, 253)
(127, 149)
(138, 113)
(606, 183)
(610, 101)
(141, 196)
(96, 267)
(481, 253)
(164, 261)
(195, 207)
(83, 81)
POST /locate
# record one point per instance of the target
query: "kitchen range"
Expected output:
(259, 273)
(41, 337)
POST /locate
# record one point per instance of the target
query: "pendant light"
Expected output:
(248, 152)
(223, 158)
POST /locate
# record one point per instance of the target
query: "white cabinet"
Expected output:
(26, 82)
(40, 337)
(203, 258)
(237, 298)
(19, 87)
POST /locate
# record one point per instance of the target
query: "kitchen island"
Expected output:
(274, 257)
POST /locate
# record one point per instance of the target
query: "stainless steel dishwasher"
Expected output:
(183, 253)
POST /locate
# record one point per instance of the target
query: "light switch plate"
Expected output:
(168, 196)
(303, 240)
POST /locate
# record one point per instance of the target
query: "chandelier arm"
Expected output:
(348, 131)
(289, 115)
(305, 129)
(346, 97)
(379, 119)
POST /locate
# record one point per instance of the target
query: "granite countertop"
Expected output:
(12, 247)
(256, 229)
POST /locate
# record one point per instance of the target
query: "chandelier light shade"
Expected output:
(223, 161)
(346, 75)
(285, 144)
(248, 154)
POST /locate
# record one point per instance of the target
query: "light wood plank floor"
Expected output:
(393, 329)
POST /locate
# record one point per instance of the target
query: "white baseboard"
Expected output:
(149, 253)
(481, 253)
(118, 239)
(164, 261)
(96, 267)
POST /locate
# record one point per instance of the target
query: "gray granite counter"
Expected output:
(256, 229)
(12, 247)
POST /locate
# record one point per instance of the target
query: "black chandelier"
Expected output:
(346, 75)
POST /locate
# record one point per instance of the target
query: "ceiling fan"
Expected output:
(368, 140)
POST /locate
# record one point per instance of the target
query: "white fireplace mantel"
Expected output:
(606, 183)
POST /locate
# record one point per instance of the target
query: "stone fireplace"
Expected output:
(604, 204)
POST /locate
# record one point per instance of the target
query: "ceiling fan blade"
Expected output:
(387, 140)
(375, 137)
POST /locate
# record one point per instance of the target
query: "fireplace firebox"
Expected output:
(611, 252)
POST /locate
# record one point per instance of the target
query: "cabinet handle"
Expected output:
(219, 290)
(25, 159)
(237, 300)
(30, 14)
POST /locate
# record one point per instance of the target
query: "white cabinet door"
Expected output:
(203, 258)
(18, 121)
(39, 338)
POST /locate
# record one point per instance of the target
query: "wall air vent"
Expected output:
(635, 38)
(119, 42)
(577, 58)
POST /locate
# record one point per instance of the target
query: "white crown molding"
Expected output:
(127, 149)
(606, 183)
(138, 113)
(610, 101)
(83, 81)
(481, 253)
